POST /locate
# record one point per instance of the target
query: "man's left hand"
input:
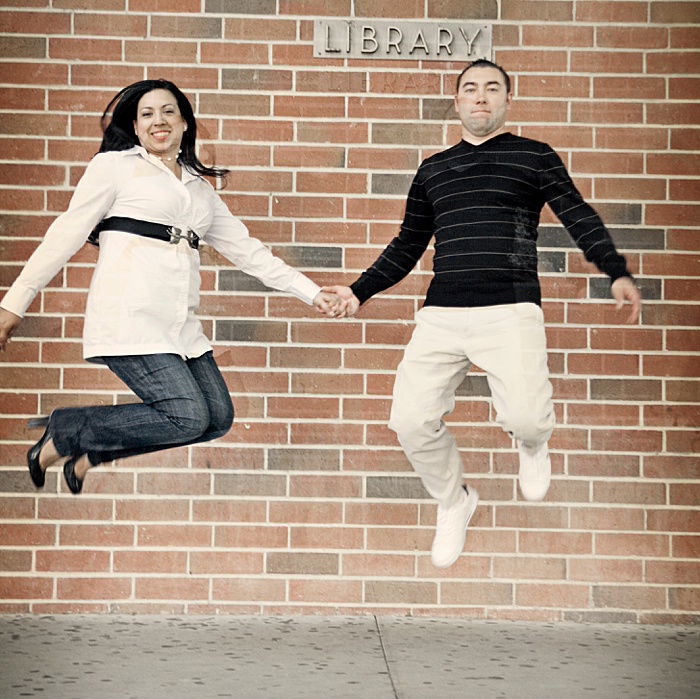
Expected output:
(624, 289)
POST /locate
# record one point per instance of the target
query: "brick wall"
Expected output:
(308, 505)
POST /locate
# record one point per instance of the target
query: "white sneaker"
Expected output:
(451, 530)
(535, 471)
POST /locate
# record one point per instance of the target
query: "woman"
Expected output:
(145, 196)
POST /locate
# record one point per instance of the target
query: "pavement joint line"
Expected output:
(386, 658)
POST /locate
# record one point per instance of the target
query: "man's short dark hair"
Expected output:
(485, 63)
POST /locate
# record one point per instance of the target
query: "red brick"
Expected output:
(685, 546)
(524, 110)
(225, 562)
(682, 12)
(101, 75)
(529, 568)
(653, 545)
(308, 156)
(16, 587)
(596, 11)
(607, 62)
(685, 37)
(629, 597)
(607, 518)
(251, 537)
(120, 25)
(316, 512)
(657, 62)
(407, 592)
(685, 598)
(27, 534)
(94, 588)
(677, 113)
(79, 49)
(164, 5)
(684, 494)
(172, 588)
(605, 570)
(248, 589)
(646, 138)
(260, 28)
(383, 108)
(658, 365)
(631, 339)
(228, 510)
(73, 560)
(153, 510)
(146, 51)
(39, 22)
(377, 565)
(333, 132)
(16, 561)
(86, 508)
(632, 37)
(546, 11)
(17, 507)
(629, 492)
(344, 591)
(144, 561)
(541, 595)
(173, 535)
(673, 520)
(603, 364)
(331, 182)
(602, 414)
(673, 572)
(326, 537)
(622, 163)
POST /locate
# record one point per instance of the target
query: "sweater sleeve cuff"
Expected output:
(361, 293)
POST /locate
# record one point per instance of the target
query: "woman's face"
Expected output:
(159, 125)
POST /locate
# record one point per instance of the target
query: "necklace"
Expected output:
(168, 160)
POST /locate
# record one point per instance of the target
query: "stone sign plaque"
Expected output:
(431, 41)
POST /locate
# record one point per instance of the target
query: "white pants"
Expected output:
(508, 343)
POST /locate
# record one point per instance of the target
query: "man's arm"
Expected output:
(399, 257)
(588, 230)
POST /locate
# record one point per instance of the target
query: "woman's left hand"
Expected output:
(329, 304)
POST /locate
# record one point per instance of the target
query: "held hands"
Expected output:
(8, 324)
(350, 302)
(329, 304)
(624, 289)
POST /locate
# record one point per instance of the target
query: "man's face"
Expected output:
(482, 102)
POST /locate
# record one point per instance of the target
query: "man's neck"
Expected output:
(478, 140)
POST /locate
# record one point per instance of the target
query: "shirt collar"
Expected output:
(187, 176)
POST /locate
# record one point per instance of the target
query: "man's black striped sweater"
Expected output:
(482, 203)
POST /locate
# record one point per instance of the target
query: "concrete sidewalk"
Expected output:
(149, 657)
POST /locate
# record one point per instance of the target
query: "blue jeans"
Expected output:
(184, 402)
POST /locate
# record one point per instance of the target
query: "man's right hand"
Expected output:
(345, 293)
(8, 324)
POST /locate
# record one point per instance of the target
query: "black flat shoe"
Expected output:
(75, 485)
(37, 473)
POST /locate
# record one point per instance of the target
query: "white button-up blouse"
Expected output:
(144, 292)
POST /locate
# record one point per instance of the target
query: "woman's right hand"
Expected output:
(9, 322)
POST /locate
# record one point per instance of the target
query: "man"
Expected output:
(481, 200)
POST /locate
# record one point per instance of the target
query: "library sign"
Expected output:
(431, 41)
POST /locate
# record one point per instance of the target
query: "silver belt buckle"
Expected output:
(176, 235)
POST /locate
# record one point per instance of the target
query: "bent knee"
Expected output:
(410, 425)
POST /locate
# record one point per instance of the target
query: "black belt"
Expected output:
(147, 229)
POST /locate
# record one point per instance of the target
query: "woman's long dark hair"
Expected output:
(118, 130)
